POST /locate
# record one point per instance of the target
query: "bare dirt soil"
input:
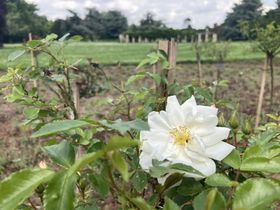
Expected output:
(17, 150)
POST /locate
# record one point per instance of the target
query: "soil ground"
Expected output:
(17, 150)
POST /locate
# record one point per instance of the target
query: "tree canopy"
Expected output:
(2, 21)
(249, 11)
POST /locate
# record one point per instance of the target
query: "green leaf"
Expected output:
(155, 77)
(20, 185)
(31, 113)
(159, 169)
(261, 164)
(189, 187)
(123, 127)
(256, 194)
(134, 78)
(14, 55)
(119, 142)
(179, 167)
(51, 37)
(100, 184)
(139, 180)
(141, 204)
(233, 159)
(219, 180)
(58, 126)
(76, 38)
(264, 137)
(209, 200)
(34, 43)
(120, 164)
(62, 153)
(170, 204)
(115, 143)
(59, 194)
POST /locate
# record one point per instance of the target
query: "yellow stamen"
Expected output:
(181, 135)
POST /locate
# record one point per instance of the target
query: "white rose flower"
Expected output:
(186, 134)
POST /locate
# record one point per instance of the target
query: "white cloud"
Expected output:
(173, 13)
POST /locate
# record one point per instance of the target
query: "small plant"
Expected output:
(178, 156)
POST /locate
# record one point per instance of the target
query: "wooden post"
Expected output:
(34, 62)
(169, 47)
(127, 38)
(214, 37)
(199, 40)
(261, 95)
(206, 36)
(76, 96)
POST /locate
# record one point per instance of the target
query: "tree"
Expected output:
(149, 22)
(21, 19)
(95, 25)
(2, 21)
(248, 10)
(272, 15)
(114, 23)
(268, 39)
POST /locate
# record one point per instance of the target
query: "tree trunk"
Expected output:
(198, 60)
(262, 89)
(271, 80)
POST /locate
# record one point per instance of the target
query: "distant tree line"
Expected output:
(18, 18)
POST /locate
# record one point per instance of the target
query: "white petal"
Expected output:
(196, 145)
(205, 121)
(188, 108)
(207, 167)
(144, 135)
(219, 151)
(174, 112)
(218, 134)
(155, 121)
(188, 103)
(145, 160)
(206, 110)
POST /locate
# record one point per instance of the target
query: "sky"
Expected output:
(171, 12)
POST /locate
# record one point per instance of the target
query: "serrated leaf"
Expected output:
(185, 168)
(59, 194)
(219, 180)
(123, 127)
(155, 77)
(209, 200)
(134, 78)
(233, 159)
(34, 43)
(139, 180)
(261, 164)
(62, 153)
(120, 164)
(58, 126)
(99, 184)
(256, 194)
(14, 55)
(189, 187)
(170, 204)
(20, 185)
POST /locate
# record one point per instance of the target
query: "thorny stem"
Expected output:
(32, 204)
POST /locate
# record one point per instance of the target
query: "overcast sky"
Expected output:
(172, 12)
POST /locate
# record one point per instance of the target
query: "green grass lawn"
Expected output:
(112, 53)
